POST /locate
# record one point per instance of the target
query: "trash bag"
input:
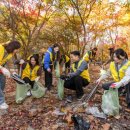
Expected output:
(57, 70)
(60, 87)
(110, 102)
(80, 123)
(38, 90)
(21, 92)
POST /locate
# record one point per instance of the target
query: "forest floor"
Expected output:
(40, 114)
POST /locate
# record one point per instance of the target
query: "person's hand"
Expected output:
(21, 61)
(49, 70)
(64, 77)
(116, 85)
(37, 79)
(5, 72)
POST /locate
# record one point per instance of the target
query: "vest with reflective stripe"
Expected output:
(4, 57)
(118, 75)
(66, 58)
(87, 56)
(30, 73)
(84, 74)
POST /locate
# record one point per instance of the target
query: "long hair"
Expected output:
(10, 47)
(121, 54)
(36, 57)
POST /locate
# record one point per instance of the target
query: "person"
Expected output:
(31, 71)
(64, 59)
(79, 76)
(7, 51)
(120, 71)
(90, 55)
(50, 58)
(111, 52)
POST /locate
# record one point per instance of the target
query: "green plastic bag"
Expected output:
(110, 102)
(21, 92)
(57, 70)
(38, 90)
(60, 87)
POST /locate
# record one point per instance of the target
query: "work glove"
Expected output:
(64, 77)
(37, 79)
(5, 72)
(116, 85)
(21, 62)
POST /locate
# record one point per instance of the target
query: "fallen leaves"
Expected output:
(106, 126)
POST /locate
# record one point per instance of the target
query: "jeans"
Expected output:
(2, 86)
(76, 83)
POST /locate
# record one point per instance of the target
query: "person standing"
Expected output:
(6, 53)
(50, 58)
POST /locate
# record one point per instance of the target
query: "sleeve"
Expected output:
(126, 78)
(47, 60)
(39, 72)
(24, 66)
(82, 67)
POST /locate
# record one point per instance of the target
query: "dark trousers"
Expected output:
(76, 83)
(27, 80)
(126, 87)
(48, 78)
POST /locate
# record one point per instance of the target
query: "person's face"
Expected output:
(74, 58)
(116, 59)
(33, 62)
(15, 51)
(56, 49)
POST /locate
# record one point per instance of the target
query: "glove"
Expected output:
(21, 61)
(5, 72)
(116, 85)
(64, 77)
(37, 79)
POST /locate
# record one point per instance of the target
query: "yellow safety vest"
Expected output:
(84, 74)
(3, 57)
(87, 56)
(118, 75)
(66, 58)
(30, 73)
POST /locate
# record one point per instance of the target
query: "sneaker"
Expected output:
(29, 93)
(79, 98)
(4, 106)
(69, 99)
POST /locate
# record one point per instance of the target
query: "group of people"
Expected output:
(76, 74)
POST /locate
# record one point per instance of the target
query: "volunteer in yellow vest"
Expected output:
(6, 53)
(79, 77)
(31, 71)
(90, 55)
(49, 60)
(120, 71)
(65, 60)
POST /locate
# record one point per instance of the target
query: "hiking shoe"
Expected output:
(4, 106)
(69, 99)
(79, 98)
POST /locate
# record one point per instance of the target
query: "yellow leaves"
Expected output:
(125, 18)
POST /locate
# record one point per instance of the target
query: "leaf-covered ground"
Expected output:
(39, 114)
